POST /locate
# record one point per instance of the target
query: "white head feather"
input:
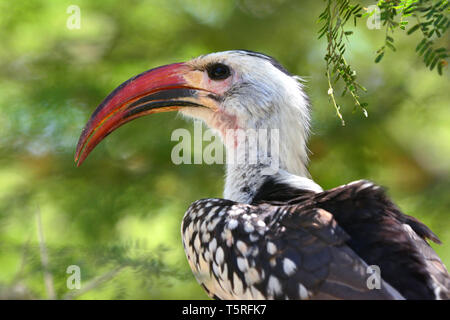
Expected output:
(262, 95)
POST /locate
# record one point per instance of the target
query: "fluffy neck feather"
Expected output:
(243, 179)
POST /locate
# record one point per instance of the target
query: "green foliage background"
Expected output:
(118, 216)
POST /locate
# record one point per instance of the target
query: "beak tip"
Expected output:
(79, 159)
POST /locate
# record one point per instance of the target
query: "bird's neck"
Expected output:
(284, 153)
(276, 153)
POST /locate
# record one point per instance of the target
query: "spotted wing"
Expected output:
(241, 251)
(381, 234)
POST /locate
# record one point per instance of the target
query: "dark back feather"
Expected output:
(379, 233)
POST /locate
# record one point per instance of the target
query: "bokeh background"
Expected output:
(118, 216)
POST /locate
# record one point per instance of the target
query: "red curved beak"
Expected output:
(162, 89)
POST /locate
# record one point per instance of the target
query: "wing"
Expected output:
(382, 235)
(378, 232)
(274, 252)
(313, 235)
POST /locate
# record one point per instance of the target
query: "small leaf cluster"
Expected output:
(431, 19)
(333, 18)
(430, 16)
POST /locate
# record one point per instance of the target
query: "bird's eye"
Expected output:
(218, 71)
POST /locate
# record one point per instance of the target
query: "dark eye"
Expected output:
(218, 71)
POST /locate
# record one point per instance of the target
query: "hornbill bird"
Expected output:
(276, 234)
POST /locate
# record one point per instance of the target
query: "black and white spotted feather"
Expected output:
(296, 244)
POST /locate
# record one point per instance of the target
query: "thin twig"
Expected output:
(48, 278)
(94, 283)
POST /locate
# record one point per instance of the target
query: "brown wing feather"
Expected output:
(275, 252)
(347, 273)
